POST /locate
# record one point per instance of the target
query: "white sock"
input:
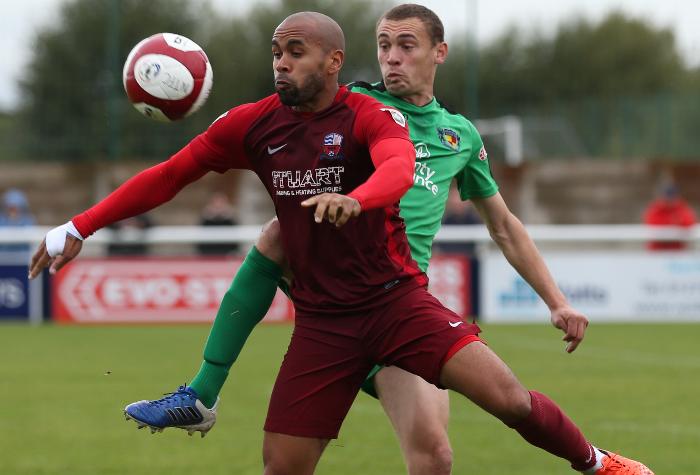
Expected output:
(598, 462)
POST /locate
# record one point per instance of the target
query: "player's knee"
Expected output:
(429, 453)
(280, 462)
(289, 455)
(441, 460)
(269, 243)
(275, 466)
(518, 406)
(436, 461)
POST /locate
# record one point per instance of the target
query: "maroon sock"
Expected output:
(548, 428)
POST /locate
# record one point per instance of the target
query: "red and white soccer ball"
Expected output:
(167, 77)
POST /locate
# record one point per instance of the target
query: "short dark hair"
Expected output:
(410, 10)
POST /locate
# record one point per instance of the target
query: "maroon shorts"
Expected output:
(329, 358)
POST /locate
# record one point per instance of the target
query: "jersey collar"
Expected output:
(382, 88)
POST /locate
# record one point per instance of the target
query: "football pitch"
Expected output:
(632, 388)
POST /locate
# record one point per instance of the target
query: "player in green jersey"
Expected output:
(448, 147)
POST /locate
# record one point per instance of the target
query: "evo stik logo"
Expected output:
(291, 182)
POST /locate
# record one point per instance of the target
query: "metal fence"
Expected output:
(664, 126)
(596, 279)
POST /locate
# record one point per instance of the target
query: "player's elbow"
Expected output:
(505, 231)
(404, 178)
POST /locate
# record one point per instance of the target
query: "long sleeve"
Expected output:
(144, 192)
(394, 160)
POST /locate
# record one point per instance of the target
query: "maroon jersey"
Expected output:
(361, 265)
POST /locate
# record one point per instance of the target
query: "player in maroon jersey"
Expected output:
(359, 297)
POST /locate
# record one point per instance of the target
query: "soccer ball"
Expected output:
(167, 77)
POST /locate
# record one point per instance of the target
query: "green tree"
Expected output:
(8, 133)
(67, 83)
(618, 56)
(242, 57)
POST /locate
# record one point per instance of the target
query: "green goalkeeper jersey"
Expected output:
(447, 147)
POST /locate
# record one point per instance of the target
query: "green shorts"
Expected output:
(368, 386)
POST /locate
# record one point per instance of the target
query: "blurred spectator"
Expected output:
(669, 209)
(459, 212)
(131, 233)
(15, 212)
(218, 212)
(15, 209)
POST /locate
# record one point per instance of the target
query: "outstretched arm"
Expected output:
(145, 191)
(517, 246)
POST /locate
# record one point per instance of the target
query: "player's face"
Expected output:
(299, 65)
(407, 57)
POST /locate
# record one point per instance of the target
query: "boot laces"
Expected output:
(169, 396)
(617, 465)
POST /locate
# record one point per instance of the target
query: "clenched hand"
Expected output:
(572, 323)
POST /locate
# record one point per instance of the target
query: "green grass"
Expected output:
(633, 388)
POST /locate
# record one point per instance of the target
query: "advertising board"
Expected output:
(612, 286)
(450, 282)
(19, 297)
(14, 291)
(148, 290)
(171, 290)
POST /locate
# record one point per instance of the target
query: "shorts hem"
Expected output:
(461, 343)
(301, 431)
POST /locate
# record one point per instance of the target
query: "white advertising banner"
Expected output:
(610, 286)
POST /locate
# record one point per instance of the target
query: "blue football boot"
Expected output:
(181, 409)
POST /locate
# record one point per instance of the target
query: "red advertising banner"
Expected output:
(172, 290)
(148, 290)
(451, 282)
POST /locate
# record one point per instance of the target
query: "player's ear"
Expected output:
(335, 60)
(440, 53)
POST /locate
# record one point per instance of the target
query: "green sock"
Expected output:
(243, 306)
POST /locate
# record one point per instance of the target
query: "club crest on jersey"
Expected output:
(482, 154)
(331, 147)
(449, 138)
